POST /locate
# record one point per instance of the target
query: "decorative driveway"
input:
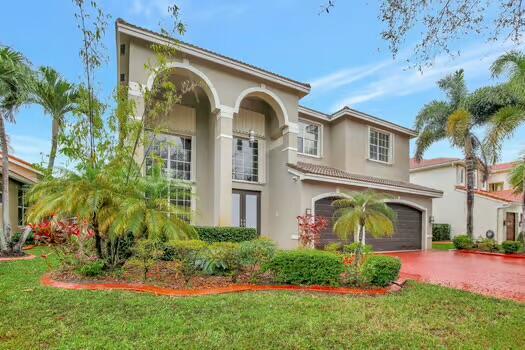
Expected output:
(496, 276)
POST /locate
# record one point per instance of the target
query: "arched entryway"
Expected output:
(408, 233)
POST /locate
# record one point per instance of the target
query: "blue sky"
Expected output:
(340, 54)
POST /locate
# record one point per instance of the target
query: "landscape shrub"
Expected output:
(441, 232)
(463, 242)
(510, 247)
(381, 270)
(182, 249)
(521, 237)
(146, 253)
(29, 240)
(306, 267)
(487, 245)
(220, 258)
(254, 254)
(226, 234)
(333, 247)
(92, 269)
(352, 248)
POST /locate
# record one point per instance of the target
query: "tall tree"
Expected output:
(58, 98)
(508, 119)
(365, 212)
(15, 84)
(453, 119)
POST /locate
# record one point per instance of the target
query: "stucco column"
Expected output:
(223, 167)
(135, 94)
(290, 143)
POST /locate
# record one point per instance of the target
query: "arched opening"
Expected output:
(175, 133)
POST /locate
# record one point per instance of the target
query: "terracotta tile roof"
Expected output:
(120, 20)
(423, 163)
(505, 195)
(503, 166)
(323, 170)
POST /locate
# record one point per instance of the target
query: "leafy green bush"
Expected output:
(91, 269)
(352, 248)
(254, 254)
(463, 242)
(29, 240)
(182, 249)
(146, 253)
(220, 258)
(226, 234)
(381, 270)
(510, 247)
(304, 266)
(487, 245)
(333, 247)
(521, 237)
(441, 232)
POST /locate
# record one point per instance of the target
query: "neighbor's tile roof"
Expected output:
(505, 195)
(423, 163)
(503, 166)
(323, 170)
(120, 20)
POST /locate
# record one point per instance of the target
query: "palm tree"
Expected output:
(113, 206)
(58, 98)
(508, 119)
(365, 212)
(15, 83)
(453, 119)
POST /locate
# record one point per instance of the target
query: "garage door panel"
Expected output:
(407, 235)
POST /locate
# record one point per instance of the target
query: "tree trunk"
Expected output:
(522, 230)
(359, 250)
(18, 246)
(98, 239)
(469, 162)
(6, 229)
(54, 142)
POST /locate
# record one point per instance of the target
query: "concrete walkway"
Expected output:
(496, 276)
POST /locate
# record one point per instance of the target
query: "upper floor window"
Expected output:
(380, 146)
(308, 139)
(245, 160)
(496, 186)
(460, 175)
(174, 155)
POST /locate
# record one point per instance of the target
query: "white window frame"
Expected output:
(319, 141)
(261, 159)
(390, 149)
(460, 175)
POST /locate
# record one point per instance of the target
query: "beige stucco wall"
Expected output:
(13, 205)
(500, 177)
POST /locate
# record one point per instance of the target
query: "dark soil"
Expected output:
(12, 254)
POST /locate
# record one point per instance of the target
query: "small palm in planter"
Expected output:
(365, 212)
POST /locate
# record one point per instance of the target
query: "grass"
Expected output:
(437, 246)
(422, 316)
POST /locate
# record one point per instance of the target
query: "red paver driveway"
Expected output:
(496, 276)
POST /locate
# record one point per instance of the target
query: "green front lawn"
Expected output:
(422, 316)
(438, 246)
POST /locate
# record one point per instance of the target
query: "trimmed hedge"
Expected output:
(306, 267)
(226, 234)
(511, 247)
(441, 232)
(182, 249)
(463, 242)
(381, 270)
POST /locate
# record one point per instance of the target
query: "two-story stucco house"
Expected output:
(257, 158)
(497, 209)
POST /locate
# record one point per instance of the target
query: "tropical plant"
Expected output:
(453, 119)
(363, 212)
(508, 119)
(15, 84)
(57, 97)
(146, 253)
(310, 227)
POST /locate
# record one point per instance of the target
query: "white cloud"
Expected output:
(29, 148)
(392, 78)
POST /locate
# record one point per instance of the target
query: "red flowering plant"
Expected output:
(310, 227)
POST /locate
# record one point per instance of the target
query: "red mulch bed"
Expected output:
(163, 280)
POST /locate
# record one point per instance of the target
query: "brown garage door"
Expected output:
(407, 235)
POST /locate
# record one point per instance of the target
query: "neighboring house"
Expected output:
(496, 207)
(21, 176)
(258, 159)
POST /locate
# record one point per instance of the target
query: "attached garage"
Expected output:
(407, 235)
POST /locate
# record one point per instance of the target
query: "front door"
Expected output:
(511, 226)
(246, 211)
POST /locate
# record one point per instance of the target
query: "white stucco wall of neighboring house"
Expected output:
(500, 177)
(489, 214)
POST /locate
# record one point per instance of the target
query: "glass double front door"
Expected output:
(246, 211)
